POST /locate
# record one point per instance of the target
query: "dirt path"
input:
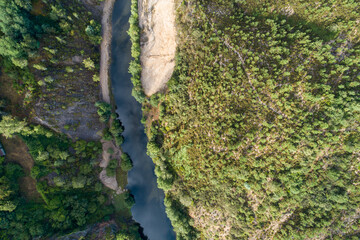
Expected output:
(106, 50)
(158, 43)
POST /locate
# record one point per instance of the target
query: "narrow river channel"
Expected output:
(149, 209)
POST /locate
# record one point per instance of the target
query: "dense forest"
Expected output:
(68, 195)
(257, 135)
(49, 177)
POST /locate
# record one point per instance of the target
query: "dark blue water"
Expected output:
(149, 209)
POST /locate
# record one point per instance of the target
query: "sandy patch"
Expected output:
(109, 182)
(158, 43)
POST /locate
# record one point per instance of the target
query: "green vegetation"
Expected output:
(111, 168)
(116, 128)
(135, 65)
(122, 202)
(126, 163)
(65, 180)
(89, 64)
(93, 30)
(8, 185)
(18, 40)
(104, 111)
(259, 129)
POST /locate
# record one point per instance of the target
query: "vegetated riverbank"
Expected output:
(115, 163)
(149, 209)
(155, 64)
(105, 84)
(158, 43)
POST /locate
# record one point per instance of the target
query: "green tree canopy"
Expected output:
(17, 41)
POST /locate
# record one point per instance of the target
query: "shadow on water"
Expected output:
(149, 209)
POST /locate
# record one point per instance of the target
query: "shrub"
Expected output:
(126, 163)
(89, 64)
(129, 199)
(96, 78)
(79, 181)
(111, 168)
(107, 135)
(104, 111)
(39, 67)
(49, 79)
(69, 69)
(59, 181)
(119, 140)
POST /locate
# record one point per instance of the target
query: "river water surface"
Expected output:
(149, 209)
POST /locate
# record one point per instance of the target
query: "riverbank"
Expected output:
(158, 43)
(105, 85)
(106, 49)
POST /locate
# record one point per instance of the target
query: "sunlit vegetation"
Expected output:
(259, 130)
(135, 65)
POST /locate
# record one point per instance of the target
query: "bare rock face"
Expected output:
(158, 43)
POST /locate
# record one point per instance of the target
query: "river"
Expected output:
(149, 209)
